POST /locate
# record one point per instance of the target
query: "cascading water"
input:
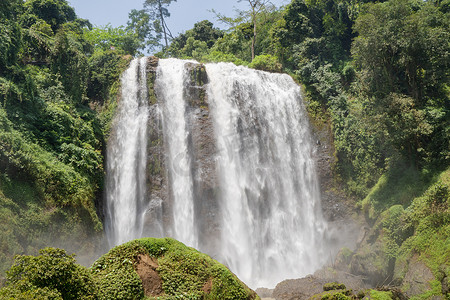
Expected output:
(170, 79)
(126, 158)
(240, 177)
(272, 227)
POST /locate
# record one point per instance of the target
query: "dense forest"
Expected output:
(376, 75)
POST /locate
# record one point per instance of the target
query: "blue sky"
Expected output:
(184, 13)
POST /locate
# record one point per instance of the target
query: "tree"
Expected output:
(256, 6)
(402, 53)
(411, 43)
(202, 36)
(121, 39)
(144, 28)
(150, 25)
(54, 12)
(157, 9)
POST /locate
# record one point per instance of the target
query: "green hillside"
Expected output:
(375, 74)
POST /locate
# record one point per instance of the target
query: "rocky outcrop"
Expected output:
(157, 182)
(307, 287)
(346, 228)
(164, 268)
(417, 278)
(201, 148)
(298, 289)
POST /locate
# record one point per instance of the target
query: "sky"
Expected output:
(184, 13)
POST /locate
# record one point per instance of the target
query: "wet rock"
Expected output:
(417, 277)
(298, 289)
(264, 293)
(372, 262)
(203, 148)
(152, 64)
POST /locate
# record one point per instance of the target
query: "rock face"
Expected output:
(346, 228)
(202, 148)
(157, 187)
(417, 278)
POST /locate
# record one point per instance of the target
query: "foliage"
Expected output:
(266, 63)
(53, 12)
(408, 73)
(217, 56)
(51, 275)
(334, 286)
(195, 42)
(105, 69)
(51, 141)
(380, 295)
(123, 40)
(150, 23)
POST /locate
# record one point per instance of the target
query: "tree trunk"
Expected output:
(253, 39)
(163, 24)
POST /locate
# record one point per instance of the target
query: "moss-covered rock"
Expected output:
(167, 269)
(408, 245)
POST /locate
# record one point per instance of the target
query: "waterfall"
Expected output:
(126, 158)
(237, 177)
(170, 79)
(272, 225)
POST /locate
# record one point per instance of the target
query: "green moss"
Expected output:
(155, 166)
(333, 286)
(114, 273)
(184, 272)
(434, 291)
(334, 295)
(150, 88)
(399, 186)
(380, 295)
(420, 230)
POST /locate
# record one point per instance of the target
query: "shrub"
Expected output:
(51, 275)
(266, 62)
(333, 286)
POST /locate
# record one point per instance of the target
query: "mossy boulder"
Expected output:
(164, 269)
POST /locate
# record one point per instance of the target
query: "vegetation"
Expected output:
(54, 68)
(183, 272)
(375, 72)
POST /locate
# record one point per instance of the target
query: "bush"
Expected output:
(334, 286)
(218, 56)
(51, 275)
(266, 62)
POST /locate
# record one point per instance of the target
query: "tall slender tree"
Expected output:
(158, 10)
(256, 6)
